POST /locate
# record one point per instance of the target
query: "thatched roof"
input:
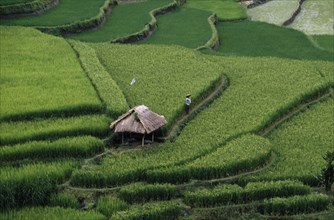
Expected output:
(138, 120)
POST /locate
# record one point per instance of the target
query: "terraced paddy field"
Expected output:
(187, 27)
(252, 146)
(249, 38)
(225, 9)
(298, 137)
(186, 65)
(125, 19)
(200, 142)
(316, 17)
(68, 11)
(55, 79)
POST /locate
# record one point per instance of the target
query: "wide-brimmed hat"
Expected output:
(188, 95)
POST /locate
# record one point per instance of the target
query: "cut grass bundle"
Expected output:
(19, 132)
(83, 146)
(41, 81)
(31, 184)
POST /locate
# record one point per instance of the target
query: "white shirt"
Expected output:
(188, 101)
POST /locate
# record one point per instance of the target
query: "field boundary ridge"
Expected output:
(284, 114)
(109, 93)
(36, 7)
(80, 26)
(152, 26)
(220, 85)
(295, 14)
(294, 110)
(213, 42)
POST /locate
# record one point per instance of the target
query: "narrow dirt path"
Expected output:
(195, 109)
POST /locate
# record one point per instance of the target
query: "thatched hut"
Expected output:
(139, 120)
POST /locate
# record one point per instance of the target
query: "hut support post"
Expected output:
(152, 137)
(122, 138)
(143, 140)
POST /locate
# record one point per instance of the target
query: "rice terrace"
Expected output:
(166, 109)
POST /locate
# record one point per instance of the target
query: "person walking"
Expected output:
(188, 102)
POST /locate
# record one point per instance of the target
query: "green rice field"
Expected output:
(68, 11)
(187, 27)
(195, 142)
(324, 41)
(125, 19)
(297, 138)
(225, 9)
(116, 59)
(22, 131)
(249, 38)
(55, 79)
(255, 144)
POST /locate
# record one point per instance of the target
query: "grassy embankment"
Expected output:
(68, 11)
(225, 9)
(36, 83)
(248, 38)
(124, 19)
(301, 144)
(325, 41)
